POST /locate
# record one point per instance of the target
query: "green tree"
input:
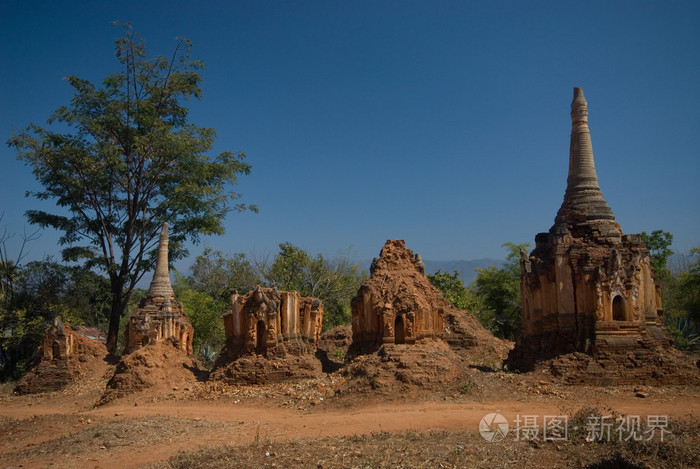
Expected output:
(499, 293)
(42, 291)
(659, 245)
(130, 161)
(334, 281)
(453, 289)
(218, 275)
(204, 312)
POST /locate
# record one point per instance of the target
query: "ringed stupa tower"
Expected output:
(587, 287)
(159, 317)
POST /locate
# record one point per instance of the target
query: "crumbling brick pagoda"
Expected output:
(272, 323)
(159, 317)
(587, 287)
(397, 304)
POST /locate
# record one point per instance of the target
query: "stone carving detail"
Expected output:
(589, 285)
(397, 303)
(272, 323)
(159, 317)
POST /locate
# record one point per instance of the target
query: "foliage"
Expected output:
(499, 293)
(688, 287)
(335, 281)
(218, 275)
(685, 333)
(659, 245)
(205, 315)
(42, 291)
(452, 288)
(130, 161)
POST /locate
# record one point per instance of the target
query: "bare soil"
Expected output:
(337, 420)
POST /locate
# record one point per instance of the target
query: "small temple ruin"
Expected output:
(587, 287)
(159, 317)
(64, 355)
(393, 306)
(270, 322)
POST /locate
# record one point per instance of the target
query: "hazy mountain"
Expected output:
(465, 268)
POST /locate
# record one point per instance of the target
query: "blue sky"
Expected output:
(444, 123)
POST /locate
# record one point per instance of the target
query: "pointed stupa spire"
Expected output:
(583, 200)
(160, 285)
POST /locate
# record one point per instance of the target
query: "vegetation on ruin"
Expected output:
(129, 161)
(206, 292)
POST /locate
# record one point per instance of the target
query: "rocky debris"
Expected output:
(158, 368)
(428, 365)
(398, 304)
(64, 357)
(257, 369)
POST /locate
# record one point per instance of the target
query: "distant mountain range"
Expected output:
(465, 268)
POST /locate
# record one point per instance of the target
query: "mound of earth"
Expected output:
(429, 365)
(65, 357)
(258, 369)
(158, 367)
(438, 343)
(659, 366)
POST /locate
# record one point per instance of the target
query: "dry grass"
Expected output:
(680, 449)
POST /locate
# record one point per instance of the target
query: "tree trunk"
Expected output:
(118, 306)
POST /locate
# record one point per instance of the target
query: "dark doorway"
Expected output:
(261, 338)
(399, 336)
(618, 308)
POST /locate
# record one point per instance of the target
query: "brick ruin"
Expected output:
(272, 323)
(64, 355)
(589, 288)
(395, 305)
(159, 317)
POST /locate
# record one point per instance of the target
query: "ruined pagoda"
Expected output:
(587, 287)
(159, 317)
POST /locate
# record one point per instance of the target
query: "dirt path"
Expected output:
(239, 424)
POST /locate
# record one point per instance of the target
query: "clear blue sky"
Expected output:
(444, 123)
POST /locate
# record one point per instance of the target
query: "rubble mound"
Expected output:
(429, 365)
(157, 367)
(398, 289)
(407, 335)
(659, 366)
(333, 348)
(259, 369)
(64, 357)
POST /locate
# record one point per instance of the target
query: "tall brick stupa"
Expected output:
(587, 287)
(159, 317)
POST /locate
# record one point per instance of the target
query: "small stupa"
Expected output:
(159, 317)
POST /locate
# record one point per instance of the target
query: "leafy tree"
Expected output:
(689, 287)
(499, 293)
(45, 290)
(334, 281)
(130, 161)
(453, 289)
(659, 245)
(217, 274)
(204, 312)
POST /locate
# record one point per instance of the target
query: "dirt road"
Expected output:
(122, 435)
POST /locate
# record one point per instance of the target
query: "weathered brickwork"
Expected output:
(270, 322)
(63, 356)
(588, 289)
(397, 304)
(159, 317)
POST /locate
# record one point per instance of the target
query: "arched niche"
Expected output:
(619, 312)
(399, 334)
